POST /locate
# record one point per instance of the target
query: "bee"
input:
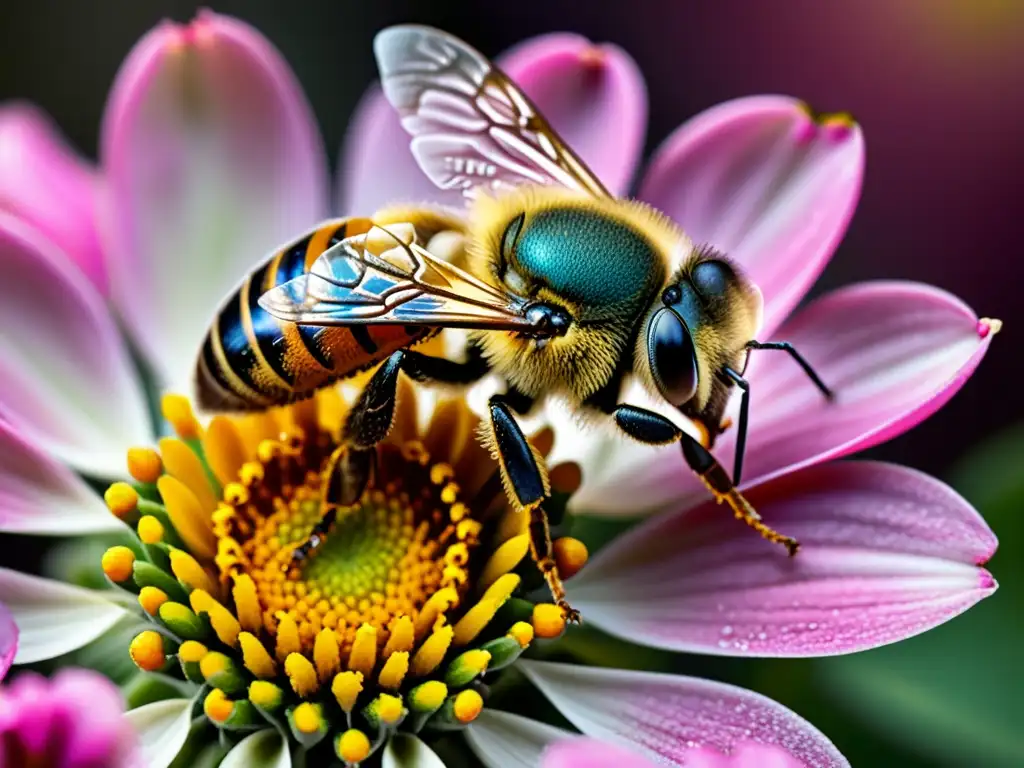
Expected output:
(566, 291)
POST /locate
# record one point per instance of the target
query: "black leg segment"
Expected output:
(785, 346)
(741, 430)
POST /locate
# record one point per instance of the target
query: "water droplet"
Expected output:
(723, 643)
(812, 626)
(762, 635)
(726, 630)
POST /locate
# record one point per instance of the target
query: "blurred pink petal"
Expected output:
(593, 95)
(886, 553)
(760, 180)
(666, 716)
(74, 720)
(213, 159)
(8, 640)
(591, 753)
(41, 496)
(44, 182)
(66, 381)
(893, 352)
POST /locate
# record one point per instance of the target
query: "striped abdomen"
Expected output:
(250, 360)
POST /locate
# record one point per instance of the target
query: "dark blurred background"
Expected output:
(938, 86)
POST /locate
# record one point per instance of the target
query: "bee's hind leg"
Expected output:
(527, 485)
(654, 429)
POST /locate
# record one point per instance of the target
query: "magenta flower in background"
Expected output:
(210, 157)
(8, 640)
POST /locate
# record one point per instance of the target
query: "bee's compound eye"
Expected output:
(671, 295)
(712, 278)
(672, 357)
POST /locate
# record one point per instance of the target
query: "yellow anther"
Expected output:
(121, 499)
(288, 641)
(307, 718)
(352, 746)
(147, 651)
(570, 555)
(236, 494)
(346, 689)
(217, 706)
(548, 620)
(327, 655)
(402, 638)
(441, 473)
(188, 571)
(502, 588)
(428, 696)
(151, 530)
(468, 705)
(505, 558)
(450, 493)
(264, 695)
(223, 448)
(438, 604)
(117, 563)
(190, 520)
(394, 670)
(247, 603)
(268, 450)
(222, 620)
(255, 657)
(214, 663)
(301, 675)
(475, 619)
(192, 651)
(151, 598)
(522, 632)
(467, 667)
(144, 464)
(432, 652)
(389, 708)
(363, 656)
(178, 412)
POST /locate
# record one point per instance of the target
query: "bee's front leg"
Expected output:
(527, 486)
(654, 429)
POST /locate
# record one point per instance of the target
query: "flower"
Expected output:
(8, 640)
(590, 753)
(74, 720)
(209, 157)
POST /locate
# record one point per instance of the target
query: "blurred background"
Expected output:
(938, 86)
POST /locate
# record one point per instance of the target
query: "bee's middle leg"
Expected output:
(654, 429)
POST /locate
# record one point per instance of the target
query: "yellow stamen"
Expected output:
(118, 563)
(432, 652)
(188, 571)
(395, 668)
(307, 718)
(428, 697)
(438, 604)
(144, 464)
(247, 603)
(403, 636)
(121, 499)
(288, 641)
(183, 463)
(468, 705)
(364, 650)
(151, 598)
(346, 689)
(181, 620)
(178, 412)
(256, 658)
(522, 632)
(222, 620)
(505, 558)
(147, 651)
(301, 675)
(217, 706)
(223, 448)
(467, 667)
(352, 746)
(192, 651)
(190, 520)
(548, 620)
(478, 617)
(151, 530)
(386, 708)
(265, 695)
(570, 555)
(213, 663)
(326, 654)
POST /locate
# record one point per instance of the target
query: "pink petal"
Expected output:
(89, 718)
(759, 179)
(66, 381)
(894, 352)
(593, 96)
(667, 716)
(886, 553)
(44, 182)
(213, 159)
(591, 753)
(8, 640)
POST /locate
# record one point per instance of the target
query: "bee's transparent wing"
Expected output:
(471, 126)
(378, 278)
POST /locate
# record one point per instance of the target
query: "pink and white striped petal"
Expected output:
(593, 95)
(45, 183)
(8, 640)
(41, 496)
(66, 381)
(503, 740)
(585, 752)
(212, 159)
(886, 553)
(762, 180)
(668, 717)
(893, 352)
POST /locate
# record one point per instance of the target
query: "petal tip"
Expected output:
(987, 582)
(988, 326)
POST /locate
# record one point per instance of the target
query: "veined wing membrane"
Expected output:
(402, 284)
(471, 126)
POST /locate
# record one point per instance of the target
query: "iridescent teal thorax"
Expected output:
(589, 258)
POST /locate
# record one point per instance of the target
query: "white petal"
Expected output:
(54, 618)
(162, 728)
(41, 496)
(263, 749)
(405, 751)
(504, 740)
